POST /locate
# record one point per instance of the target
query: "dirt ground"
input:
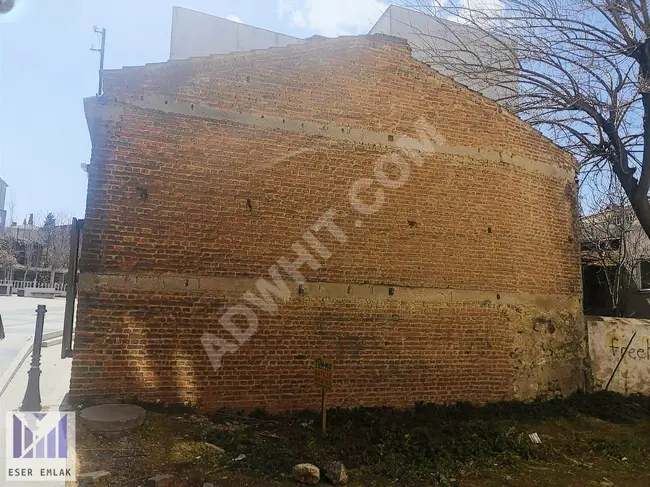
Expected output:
(600, 440)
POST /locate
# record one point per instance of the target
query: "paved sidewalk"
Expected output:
(19, 320)
(55, 383)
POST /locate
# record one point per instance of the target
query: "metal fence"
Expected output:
(16, 285)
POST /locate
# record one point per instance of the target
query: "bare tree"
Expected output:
(613, 241)
(11, 209)
(7, 256)
(54, 237)
(28, 245)
(29, 242)
(582, 69)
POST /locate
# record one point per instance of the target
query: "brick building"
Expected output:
(434, 230)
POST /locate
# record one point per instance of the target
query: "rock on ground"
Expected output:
(336, 473)
(160, 481)
(93, 478)
(215, 448)
(306, 473)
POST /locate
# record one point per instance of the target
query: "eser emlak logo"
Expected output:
(40, 446)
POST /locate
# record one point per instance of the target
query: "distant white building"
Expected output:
(197, 34)
(3, 212)
(431, 37)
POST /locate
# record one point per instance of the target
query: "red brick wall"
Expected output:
(382, 352)
(477, 247)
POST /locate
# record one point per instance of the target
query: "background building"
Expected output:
(3, 212)
(432, 39)
(40, 252)
(198, 34)
(615, 264)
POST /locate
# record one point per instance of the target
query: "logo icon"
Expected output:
(45, 437)
(40, 446)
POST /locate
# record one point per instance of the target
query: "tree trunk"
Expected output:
(642, 211)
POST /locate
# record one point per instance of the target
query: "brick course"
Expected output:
(181, 200)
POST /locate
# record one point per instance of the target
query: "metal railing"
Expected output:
(57, 286)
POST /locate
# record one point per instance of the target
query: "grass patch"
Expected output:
(439, 445)
(587, 441)
(163, 444)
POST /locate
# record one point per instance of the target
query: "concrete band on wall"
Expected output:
(112, 111)
(156, 283)
(100, 111)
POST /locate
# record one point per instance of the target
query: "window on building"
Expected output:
(623, 220)
(645, 274)
(587, 246)
(611, 244)
(607, 244)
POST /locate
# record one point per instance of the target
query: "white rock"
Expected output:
(306, 473)
(215, 448)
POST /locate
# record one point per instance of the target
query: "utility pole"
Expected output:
(102, 33)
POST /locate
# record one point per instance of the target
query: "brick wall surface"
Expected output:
(194, 193)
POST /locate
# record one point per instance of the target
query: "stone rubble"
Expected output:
(336, 473)
(160, 481)
(306, 473)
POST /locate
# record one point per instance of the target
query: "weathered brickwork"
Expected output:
(463, 285)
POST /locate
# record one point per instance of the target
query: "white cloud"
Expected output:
(286, 6)
(333, 17)
(490, 6)
(481, 12)
(297, 19)
(234, 18)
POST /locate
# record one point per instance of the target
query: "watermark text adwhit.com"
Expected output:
(410, 153)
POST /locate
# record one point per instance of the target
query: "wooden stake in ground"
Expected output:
(323, 379)
(323, 409)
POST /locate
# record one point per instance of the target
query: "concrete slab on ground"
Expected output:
(112, 418)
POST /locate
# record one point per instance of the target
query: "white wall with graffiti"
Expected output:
(619, 349)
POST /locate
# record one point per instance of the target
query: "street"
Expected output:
(19, 320)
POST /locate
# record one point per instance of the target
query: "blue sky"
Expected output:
(47, 68)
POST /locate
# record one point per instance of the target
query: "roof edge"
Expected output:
(176, 7)
(377, 38)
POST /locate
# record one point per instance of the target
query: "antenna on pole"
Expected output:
(102, 33)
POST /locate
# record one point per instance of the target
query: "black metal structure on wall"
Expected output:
(67, 350)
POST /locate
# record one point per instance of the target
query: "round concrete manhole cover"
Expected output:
(113, 418)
